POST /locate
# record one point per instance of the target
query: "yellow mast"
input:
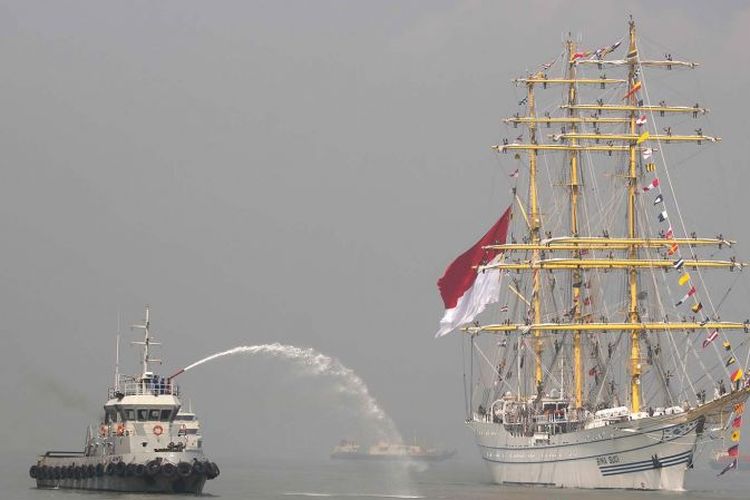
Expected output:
(612, 327)
(632, 260)
(576, 274)
(606, 263)
(534, 230)
(635, 350)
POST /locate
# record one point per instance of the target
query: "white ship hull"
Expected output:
(652, 457)
(648, 453)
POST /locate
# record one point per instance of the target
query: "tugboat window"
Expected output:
(142, 414)
(129, 415)
(153, 415)
(165, 415)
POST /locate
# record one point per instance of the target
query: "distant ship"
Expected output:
(143, 443)
(385, 450)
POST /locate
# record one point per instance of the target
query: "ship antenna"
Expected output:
(147, 343)
(117, 354)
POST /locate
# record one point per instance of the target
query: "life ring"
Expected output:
(120, 429)
(103, 429)
(158, 430)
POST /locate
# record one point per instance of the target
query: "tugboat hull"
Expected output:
(191, 484)
(137, 473)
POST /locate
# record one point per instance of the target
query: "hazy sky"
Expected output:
(299, 172)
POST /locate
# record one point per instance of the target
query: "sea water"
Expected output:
(289, 479)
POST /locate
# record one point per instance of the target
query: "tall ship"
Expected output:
(143, 442)
(596, 354)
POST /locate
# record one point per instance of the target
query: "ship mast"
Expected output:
(146, 343)
(650, 253)
(635, 349)
(575, 275)
(534, 225)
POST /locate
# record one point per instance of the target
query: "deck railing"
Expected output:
(150, 388)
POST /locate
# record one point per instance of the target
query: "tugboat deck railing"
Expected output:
(144, 388)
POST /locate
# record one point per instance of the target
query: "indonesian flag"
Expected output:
(669, 235)
(641, 120)
(465, 291)
(654, 183)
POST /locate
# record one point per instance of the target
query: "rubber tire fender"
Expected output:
(198, 468)
(184, 469)
(120, 468)
(168, 470)
(153, 468)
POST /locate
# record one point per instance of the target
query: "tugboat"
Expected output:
(143, 442)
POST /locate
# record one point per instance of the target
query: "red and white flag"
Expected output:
(641, 120)
(465, 291)
(690, 293)
(710, 338)
(652, 185)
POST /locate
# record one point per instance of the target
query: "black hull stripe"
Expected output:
(648, 467)
(657, 443)
(645, 462)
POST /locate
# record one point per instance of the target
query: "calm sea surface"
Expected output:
(289, 480)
